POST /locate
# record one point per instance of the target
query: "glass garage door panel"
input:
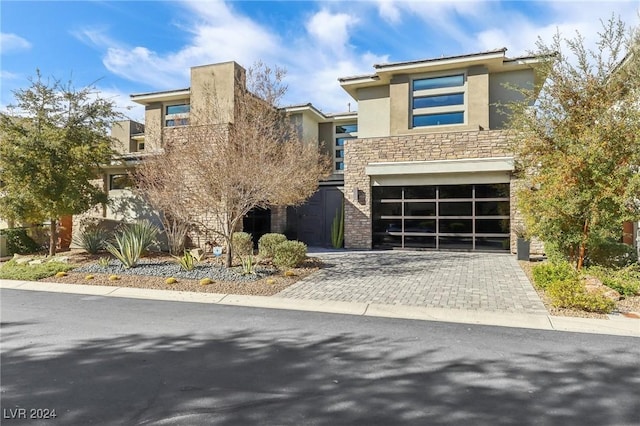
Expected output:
(469, 217)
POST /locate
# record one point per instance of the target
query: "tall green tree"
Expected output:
(578, 141)
(53, 140)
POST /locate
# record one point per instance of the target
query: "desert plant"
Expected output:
(132, 241)
(247, 265)
(242, 244)
(187, 262)
(337, 228)
(103, 261)
(268, 242)
(92, 239)
(145, 231)
(548, 272)
(289, 254)
(571, 293)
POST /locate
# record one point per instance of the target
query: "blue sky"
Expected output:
(128, 47)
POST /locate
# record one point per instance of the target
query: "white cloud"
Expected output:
(123, 103)
(6, 75)
(12, 42)
(331, 30)
(388, 11)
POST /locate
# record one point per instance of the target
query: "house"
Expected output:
(425, 162)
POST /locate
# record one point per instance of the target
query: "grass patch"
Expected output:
(14, 271)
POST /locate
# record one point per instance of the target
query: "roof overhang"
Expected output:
(154, 97)
(465, 165)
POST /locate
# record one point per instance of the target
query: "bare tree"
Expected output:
(213, 172)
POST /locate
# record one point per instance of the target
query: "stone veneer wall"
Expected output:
(423, 147)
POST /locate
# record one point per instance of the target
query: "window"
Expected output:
(176, 115)
(140, 146)
(343, 133)
(438, 101)
(120, 181)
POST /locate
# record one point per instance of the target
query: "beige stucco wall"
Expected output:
(500, 96)
(153, 122)
(478, 97)
(213, 92)
(374, 111)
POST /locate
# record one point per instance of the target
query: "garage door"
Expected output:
(468, 217)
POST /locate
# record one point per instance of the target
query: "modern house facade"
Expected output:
(424, 163)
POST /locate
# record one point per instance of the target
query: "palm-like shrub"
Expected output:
(92, 239)
(132, 241)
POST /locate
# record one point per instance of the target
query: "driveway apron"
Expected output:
(456, 280)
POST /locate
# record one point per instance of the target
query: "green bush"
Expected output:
(132, 242)
(242, 244)
(289, 254)
(612, 254)
(18, 241)
(549, 272)
(571, 293)
(268, 242)
(15, 271)
(92, 239)
(625, 281)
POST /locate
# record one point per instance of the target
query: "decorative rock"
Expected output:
(22, 260)
(36, 262)
(59, 259)
(594, 286)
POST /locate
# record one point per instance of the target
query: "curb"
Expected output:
(615, 325)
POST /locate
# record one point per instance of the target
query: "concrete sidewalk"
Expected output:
(615, 325)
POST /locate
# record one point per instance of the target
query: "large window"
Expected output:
(471, 217)
(343, 133)
(438, 101)
(176, 115)
(120, 181)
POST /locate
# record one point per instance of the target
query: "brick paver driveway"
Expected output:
(458, 280)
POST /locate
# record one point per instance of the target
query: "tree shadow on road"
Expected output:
(240, 378)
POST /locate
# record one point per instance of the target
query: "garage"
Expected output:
(448, 217)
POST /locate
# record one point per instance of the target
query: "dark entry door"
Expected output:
(257, 223)
(311, 222)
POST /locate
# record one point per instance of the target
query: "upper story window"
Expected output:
(438, 101)
(343, 132)
(120, 181)
(176, 115)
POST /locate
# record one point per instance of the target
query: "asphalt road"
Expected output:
(113, 361)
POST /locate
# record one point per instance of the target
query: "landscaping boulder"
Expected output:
(594, 286)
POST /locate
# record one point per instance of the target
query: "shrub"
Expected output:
(92, 239)
(289, 254)
(15, 271)
(132, 241)
(625, 281)
(611, 254)
(187, 261)
(18, 241)
(247, 265)
(103, 261)
(570, 293)
(548, 272)
(242, 244)
(268, 242)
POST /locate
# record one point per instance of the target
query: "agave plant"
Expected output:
(132, 241)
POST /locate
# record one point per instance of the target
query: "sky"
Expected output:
(129, 47)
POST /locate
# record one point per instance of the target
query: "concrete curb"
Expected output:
(618, 326)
